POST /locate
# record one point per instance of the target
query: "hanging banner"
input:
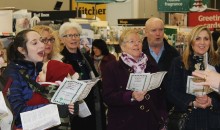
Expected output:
(95, 1)
(211, 19)
(173, 5)
(90, 10)
(182, 5)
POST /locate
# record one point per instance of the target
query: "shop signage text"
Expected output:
(211, 19)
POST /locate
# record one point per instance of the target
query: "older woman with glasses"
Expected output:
(131, 110)
(82, 63)
(51, 41)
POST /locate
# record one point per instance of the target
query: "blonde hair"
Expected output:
(126, 33)
(213, 58)
(56, 45)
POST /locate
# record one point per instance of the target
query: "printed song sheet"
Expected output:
(71, 90)
(145, 81)
(194, 89)
(3, 108)
(68, 91)
(89, 85)
(41, 118)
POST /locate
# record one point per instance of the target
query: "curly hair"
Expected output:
(56, 45)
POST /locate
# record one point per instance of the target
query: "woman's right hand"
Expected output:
(203, 102)
(138, 95)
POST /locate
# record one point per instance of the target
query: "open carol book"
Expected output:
(145, 81)
(197, 90)
(71, 90)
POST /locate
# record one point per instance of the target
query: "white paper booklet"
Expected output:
(89, 85)
(68, 91)
(71, 90)
(145, 81)
(41, 118)
(194, 89)
(3, 108)
(83, 110)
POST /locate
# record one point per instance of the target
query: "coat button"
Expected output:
(142, 107)
(147, 97)
(147, 110)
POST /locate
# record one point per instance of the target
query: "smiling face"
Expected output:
(201, 43)
(35, 48)
(71, 40)
(132, 45)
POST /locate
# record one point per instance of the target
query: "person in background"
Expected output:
(85, 46)
(82, 63)
(25, 56)
(203, 111)
(218, 46)
(100, 55)
(157, 48)
(131, 110)
(215, 37)
(51, 41)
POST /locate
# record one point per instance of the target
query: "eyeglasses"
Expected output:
(72, 35)
(133, 42)
(45, 40)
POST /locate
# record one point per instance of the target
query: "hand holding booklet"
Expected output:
(72, 90)
(197, 90)
(145, 81)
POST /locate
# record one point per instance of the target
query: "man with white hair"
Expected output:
(156, 47)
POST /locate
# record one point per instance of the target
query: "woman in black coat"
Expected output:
(203, 110)
(81, 62)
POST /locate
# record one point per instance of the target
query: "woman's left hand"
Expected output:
(203, 101)
(71, 108)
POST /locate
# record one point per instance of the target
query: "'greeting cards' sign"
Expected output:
(211, 19)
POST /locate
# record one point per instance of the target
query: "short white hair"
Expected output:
(69, 25)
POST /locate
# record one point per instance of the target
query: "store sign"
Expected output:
(182, 5)
(90, 10)
(211, 19)
(173, 5)
(171, 34)
(132, 22)
(54, 15)
(95, 1)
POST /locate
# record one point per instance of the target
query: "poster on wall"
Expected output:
(171, 34)
(182, 5)
(178, 19)
(211, 19)
(91, 11)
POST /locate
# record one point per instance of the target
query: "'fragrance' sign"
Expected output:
(173, 5)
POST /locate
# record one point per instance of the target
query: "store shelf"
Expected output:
(7, 34)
